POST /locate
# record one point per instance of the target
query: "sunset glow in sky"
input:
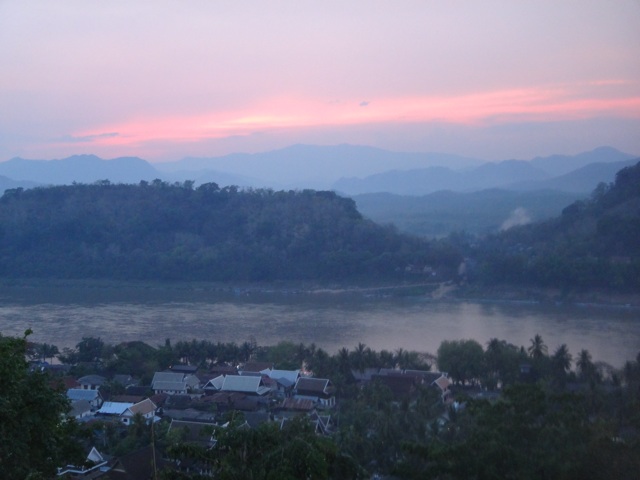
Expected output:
(167, 79)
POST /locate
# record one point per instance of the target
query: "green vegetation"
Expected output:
(593, 244)
(268, 452)
(35, 438)
(519, 412)
(160, 231)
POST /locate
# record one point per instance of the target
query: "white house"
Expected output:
(146, 408)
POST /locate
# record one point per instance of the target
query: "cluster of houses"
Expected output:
(192, 402)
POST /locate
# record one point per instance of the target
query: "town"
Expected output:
(199, 409)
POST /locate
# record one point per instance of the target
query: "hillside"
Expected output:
(440, 213)
(592, 244)
(161, 231)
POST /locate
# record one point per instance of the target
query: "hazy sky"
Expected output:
(168, 79)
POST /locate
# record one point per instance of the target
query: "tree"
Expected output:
(562, 358)
(44, 351)
(586, 367)
(270, 451)
(463, 360)
(35, 437)
(537, 349)
(90, 349)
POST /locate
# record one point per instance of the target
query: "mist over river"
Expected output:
(63, 315)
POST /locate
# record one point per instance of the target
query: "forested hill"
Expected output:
(594, 243)
(172, 231)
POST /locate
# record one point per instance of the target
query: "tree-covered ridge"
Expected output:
(172, 231)
(594, 243)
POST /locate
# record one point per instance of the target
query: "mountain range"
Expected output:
(348, 169)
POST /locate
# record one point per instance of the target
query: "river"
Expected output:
(63, 315)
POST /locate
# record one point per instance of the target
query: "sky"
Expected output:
(163, 80)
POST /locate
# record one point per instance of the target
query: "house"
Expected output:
(92, 396)
(320, 390)
(285, 380)
(405, 388)
(214, 385)
(363, 376)
(92, 382)
(146, 408)
(443, 383)
(401, 386)
(250, 385)
(114, 409)
(226, 401)
(189, 414)
(80, 409)
(297, 405)
(187, 369)
(174, 383)
(95, 465)
(323, 423)
(142, 464)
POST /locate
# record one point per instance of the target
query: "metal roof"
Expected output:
(114, 408)
(241, 383)
(82, 394)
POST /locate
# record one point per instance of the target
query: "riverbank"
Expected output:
(504, 293)
(436, 291)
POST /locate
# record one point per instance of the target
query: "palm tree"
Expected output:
(562, 358)
(585, 365)
(493, 353)
(538, 349)
(44, 350)
(386, 359)
(359, 357)
(344, 361)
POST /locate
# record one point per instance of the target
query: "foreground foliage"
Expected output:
(527, 434)
(35, 438)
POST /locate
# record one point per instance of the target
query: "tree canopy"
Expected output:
(173, 231)
(35, 437)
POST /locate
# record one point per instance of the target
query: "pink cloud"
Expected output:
(556, 103)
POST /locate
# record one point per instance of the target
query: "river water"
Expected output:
(63, 315)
